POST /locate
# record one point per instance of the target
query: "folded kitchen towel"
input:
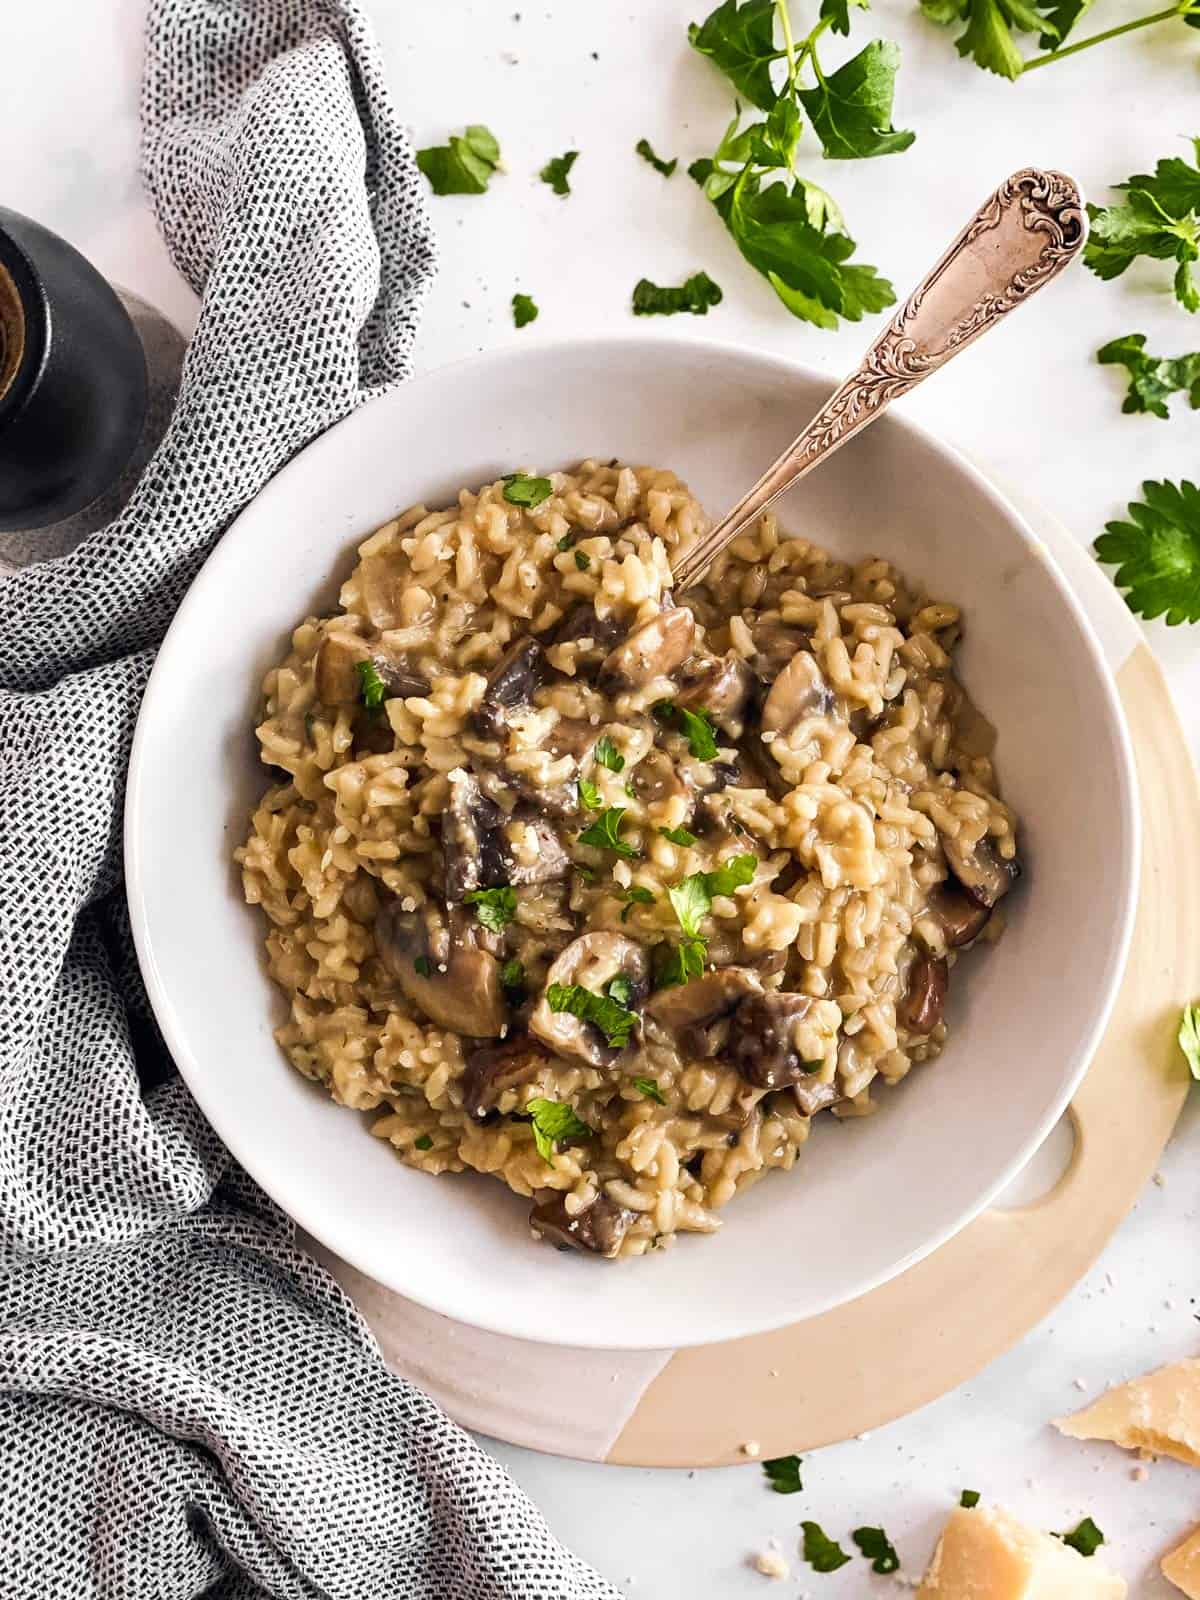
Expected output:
(188, 1405)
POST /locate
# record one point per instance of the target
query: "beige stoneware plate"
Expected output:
(869, 1199)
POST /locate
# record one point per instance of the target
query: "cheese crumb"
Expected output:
(751, 1448)
(1158, 1414)
(771, 1564)
(408, 903)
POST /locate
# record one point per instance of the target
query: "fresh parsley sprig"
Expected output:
(494, 908)
(1152, 379)
(1159, 218)
(614, 1020)
(990, 26)
(552, 1123)
(786, 227)
(1157, 552)
(691, 900)
(605, 832)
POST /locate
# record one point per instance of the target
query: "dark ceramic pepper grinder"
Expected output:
(79, 410)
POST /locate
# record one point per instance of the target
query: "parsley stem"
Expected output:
(789, 44)
(1112, 33)
(808, 50)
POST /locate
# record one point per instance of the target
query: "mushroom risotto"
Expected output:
(608, 892)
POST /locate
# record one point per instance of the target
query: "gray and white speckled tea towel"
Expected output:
(188, 1405)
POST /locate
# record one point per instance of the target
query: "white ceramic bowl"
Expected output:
(867, 1198)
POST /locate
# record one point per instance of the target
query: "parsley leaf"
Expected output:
(522, 490)
(1158, 218)
(678, 836)
(1189, 1038)
(877, 1548)
(589, 795)
(422, 967)
(423, 1143)
(495, 908)
(643, 149)
(696, 726)
(838, 12)
(553, 1122)
(649, 1090)
(679, 963)
(740, 42)
(969, 1498)
(371, 686)
(783, 1474)
(605, 832)
(556, 170)
(851, 109)
(735, 873)
(1152, 381)
(988, 38)
(607, 755)
(821, 1552)
(614, 1020)
(696, 294)
(1157, 552)
(1086, 1538)
(582, 561)
(620, 989)
(464, 165)
(524, 310)
(691, 902)
(635, 895)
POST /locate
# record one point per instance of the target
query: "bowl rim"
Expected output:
(289, 1189)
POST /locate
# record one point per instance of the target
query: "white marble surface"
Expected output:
(1028, 403)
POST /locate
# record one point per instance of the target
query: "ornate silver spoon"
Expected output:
(1024, 235)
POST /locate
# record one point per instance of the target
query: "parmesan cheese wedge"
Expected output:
(986, 1554)
(1159, 1413)
(1182, 1566)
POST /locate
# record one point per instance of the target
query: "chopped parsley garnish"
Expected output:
(1086, 1538)
(1152, 380)
(582, 560)
(678, 836)
(821, 1552)
(421, 967)
(679, 963)
(629, 789)
(783, 1474)
(557, 170)
(552, 1123)
(649, 1090)
(635, 895)
(495, 908)
(589, 795)
(1157, 552)
(969, 1498)
(735, 873)
(644, 149)
(524, 310)
(692, 898)
(605, 832)
(607, 755)
(371, 686)
(512, 977)
(464, 165)
(877, 1548)
(695, 295)
(696, 727)
(522, 490)
(423, 1143)
(1159, 218)
(565, 543)
(615, 1021)
(620, 990)
(588, 874)
(1189, 1038)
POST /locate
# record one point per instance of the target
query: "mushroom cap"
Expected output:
(335, 670)
(592, 961)
(652, 650)
(724, 689)
(762, 1047)
(491, 1069)
(466, 997)
(510, 683)
(984, 874)
(924, 1000)
(597, 1229)
(799, 691)
(696, 1012)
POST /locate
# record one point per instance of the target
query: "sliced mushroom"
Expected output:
(491, 1069)
(762, 1047)
(471, 850)
(699, 1012)
(592, 961)
(985, 875)
(510, 684)
(812, 1095)
(656, 779)
(336, 677)
(600, 633)
(774, 645)
(598, 1229)
(653, 650)
(457, 985)
(924, 1000)
(961, 918)
(551, 861)
(799, 691)
(723, 689)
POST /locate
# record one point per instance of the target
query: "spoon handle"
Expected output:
(1019, 239)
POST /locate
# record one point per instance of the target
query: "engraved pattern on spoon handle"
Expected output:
(1022, 237)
